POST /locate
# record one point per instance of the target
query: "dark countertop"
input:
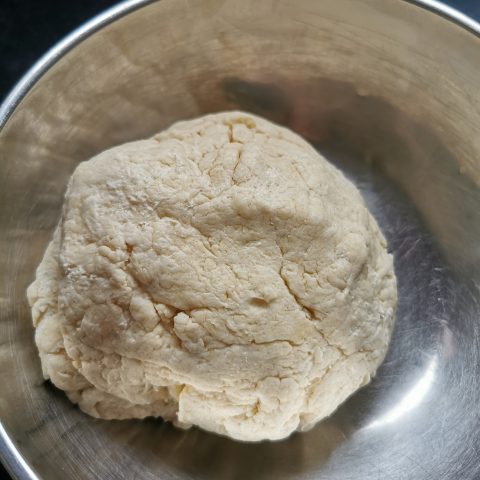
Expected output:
(28, 28)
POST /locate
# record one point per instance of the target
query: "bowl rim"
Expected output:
(10, 456)
(55, 53)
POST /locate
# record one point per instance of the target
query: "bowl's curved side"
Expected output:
(449, 13)
(53, 55)
(123, 8)
(12, 459)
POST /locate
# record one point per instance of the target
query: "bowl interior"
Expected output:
(386, 90)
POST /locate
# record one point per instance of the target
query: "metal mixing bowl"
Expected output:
(389, 90)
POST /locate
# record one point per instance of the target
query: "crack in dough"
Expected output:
(220, 274)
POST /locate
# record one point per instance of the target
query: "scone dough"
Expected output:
(220, 274)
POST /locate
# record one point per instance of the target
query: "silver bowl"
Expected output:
(388, 90)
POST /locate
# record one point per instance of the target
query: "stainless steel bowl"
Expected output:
(389, 90)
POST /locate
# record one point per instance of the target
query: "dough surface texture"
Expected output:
(220, 274)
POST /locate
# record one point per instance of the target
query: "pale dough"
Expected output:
(220, 274)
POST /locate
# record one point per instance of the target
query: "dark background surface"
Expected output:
(28, 28)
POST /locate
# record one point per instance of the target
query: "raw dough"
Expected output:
(220, 274)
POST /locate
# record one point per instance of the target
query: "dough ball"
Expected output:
(220, 274)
